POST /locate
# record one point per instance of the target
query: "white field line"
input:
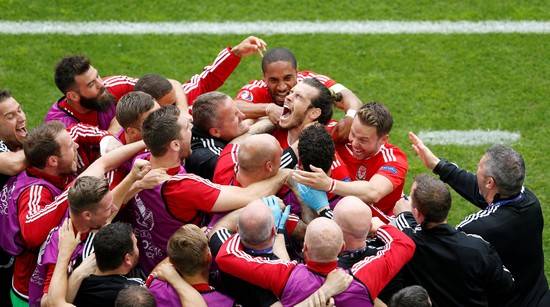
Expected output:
(274, 27)
(468, 137)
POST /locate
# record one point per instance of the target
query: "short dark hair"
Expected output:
(86, 193)
(432, 198)
(278, 54)
(41, 144)
(67, 69)
(4, 95)
(205, 110)
(154, 85)
(135, 296)
(413, 296)
(323, 101)
(131, 106)
(187, 249)
(315, 147)
(507, 167)
(160, 128)
(111, 243)
(376, 115)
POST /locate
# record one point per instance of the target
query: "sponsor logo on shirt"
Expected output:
(361, 172)
(390, 169)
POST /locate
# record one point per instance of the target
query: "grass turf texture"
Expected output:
(214, 10)
(429, 82)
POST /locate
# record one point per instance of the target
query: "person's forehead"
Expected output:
(63, 137)
(8, 105)
(87, 76)
(305, 90)
(361, 129)
(280, 67)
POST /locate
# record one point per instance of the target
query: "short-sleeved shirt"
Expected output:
(102, 290)
(389, 162)
(256, 91)
(186, 195)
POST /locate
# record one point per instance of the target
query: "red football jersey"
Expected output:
(389, 162)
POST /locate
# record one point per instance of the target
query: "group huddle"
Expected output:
(149, 192)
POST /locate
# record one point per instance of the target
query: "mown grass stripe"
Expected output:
(272, 27)
(468, 137)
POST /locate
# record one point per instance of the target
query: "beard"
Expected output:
(100, 103)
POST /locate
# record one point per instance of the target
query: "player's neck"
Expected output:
(245, 179)
(294, 134)
(352, 245)
(199, 278)
(77, 107)
(121, 270)
(167, 160)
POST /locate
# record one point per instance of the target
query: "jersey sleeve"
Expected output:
(83, 134)
(119, 86)
(265, 273)
(224, 172)
(212, 77)
(255, 92)
(395, 166)
(37, 215)
(378, 270)
(186, 194)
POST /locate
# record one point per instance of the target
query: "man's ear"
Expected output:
(52, 161)
(72, 95)
(174, 145)
(314, 114)
(215, 132)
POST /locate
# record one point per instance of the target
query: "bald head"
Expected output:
(323, 241)
(354, 218)
(256, 224)
(257, 151)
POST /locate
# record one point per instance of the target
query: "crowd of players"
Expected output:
(144, 192)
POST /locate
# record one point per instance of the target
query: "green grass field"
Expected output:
(429, 82)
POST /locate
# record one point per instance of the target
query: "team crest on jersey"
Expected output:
(246, 95)
(361, 172)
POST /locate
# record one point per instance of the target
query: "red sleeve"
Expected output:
(212, 77)
(48, 278)
(256, 92)
(36, 216)
(376, 271)
(186, 194)
(268, 274)
(395, 169)
(225, 168)
(119, 85)
(83, 134)
(291, 223)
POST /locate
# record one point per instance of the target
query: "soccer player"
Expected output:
(510, 217)
(189, 253)
(293, 282)
(455, 268)
(13, 132)
(185, 198)
(116, 254)
(52, 158)
(91, 100)
(377, 168)
(216, 121)
(280, 74)
(131, 111)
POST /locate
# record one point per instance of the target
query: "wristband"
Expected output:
(332, 186)
(351, 113)
(337, 88)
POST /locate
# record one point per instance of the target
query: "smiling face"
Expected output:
(364, 139)
(297, 105)
(280, 78)
(13, 130)
(229, 121)
(102, 213)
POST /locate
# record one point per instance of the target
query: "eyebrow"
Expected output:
(91, 82)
